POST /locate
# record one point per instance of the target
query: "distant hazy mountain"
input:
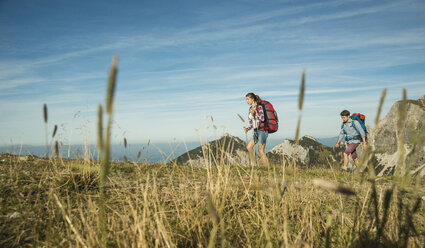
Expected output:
(328, 141)
(151, 153)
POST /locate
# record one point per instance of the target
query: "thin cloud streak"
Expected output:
(206, 68)
(191, 36)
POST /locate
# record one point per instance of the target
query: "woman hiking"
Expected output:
(256, 122)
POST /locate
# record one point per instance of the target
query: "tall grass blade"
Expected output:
(302, 89)
(213, 213)
(100, 127)
(66, 217)
(297, 132)
(111, 85)
(55, 129)
(385, 215)
(300, 107)
(45, 113)
(381, 103)
(57, 148)
(402, 116)
(45, 129)
(104, 167)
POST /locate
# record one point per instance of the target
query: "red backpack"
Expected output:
(270, 122)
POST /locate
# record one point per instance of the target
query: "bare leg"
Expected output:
(356, 162)
(345, 160)
(351, 149)
(251, 151)
(261, 150)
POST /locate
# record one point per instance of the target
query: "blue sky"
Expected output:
(181, 62)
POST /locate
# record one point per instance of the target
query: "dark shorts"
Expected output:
(351, 149)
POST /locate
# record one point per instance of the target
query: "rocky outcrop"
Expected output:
(308, 153)
(226, 150)
(400, 142)
(230, 150)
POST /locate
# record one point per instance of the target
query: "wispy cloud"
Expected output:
(198, 68)
(215, 31)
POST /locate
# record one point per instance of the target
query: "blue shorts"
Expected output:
(260, 137)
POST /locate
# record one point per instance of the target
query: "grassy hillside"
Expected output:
(55, 203)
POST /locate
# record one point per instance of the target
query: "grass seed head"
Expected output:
(45, 113)
(54, 131)
(240, 117)
(302, 89)
(111, 85)
(56, 148)
(381, 103)
(100, 127)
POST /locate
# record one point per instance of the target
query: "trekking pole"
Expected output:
(246, 137)
(246, 133)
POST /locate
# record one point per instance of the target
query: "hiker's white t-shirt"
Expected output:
(254, 121)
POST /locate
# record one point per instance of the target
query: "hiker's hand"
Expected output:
(337, 145)
(364, 146)
(246, 129)
(252, 111)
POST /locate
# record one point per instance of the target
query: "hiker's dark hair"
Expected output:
(345, 113)
(254, 96)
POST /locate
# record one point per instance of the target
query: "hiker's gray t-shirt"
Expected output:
(348, 132)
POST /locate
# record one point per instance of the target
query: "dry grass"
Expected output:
(183, 206)
(56, 202)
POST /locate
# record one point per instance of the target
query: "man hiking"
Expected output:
(353, 133)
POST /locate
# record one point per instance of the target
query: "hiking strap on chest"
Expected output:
(357, 137)
(352, 125)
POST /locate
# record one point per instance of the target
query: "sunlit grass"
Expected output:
(219, 204)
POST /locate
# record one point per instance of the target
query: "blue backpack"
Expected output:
(361, 119)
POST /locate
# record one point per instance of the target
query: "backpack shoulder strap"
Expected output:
(342, 128)
(354, 126)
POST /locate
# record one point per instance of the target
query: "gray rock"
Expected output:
(308, 153)
(395, 136)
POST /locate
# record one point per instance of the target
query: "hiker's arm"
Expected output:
(337, 143)
(364, 142)
(340, 137)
